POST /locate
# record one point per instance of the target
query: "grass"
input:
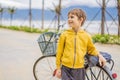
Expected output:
(25, 29)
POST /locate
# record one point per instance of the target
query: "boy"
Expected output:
(72, 47)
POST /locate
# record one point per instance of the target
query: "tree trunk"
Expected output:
(1, 18)
(118, 6)
(42, 14)
(11, 17)
(103, 18)
(30, 15)
(1, 15)
(59, 13)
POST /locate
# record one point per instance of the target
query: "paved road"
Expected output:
(19, 51)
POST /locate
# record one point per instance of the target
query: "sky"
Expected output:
(37, 4)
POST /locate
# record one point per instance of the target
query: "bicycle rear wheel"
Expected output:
(44, 67)
(98, 73)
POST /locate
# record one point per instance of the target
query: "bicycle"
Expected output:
(44, 66)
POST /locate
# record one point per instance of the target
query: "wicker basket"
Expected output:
(47, 43)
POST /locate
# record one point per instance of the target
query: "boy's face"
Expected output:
(73, 21)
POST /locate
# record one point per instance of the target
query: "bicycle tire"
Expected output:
(98, 73)
(44, 67)
(45, 71)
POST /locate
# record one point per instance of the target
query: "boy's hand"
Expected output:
(58, 73)
(102, 60)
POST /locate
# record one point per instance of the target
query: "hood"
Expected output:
(71, 31)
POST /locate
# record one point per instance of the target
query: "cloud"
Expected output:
(92, 3)
(11, 3)
(66, 3)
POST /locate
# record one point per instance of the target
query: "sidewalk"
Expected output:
(19, 51)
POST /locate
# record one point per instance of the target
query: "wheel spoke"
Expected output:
(97, 73)
(44, 68)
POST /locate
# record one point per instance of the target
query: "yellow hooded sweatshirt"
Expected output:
(72, 48)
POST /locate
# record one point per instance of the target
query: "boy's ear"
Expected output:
(81, 20)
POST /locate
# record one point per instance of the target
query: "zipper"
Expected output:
(74, 50)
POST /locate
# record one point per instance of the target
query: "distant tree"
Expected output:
(1, 13)
(11, 11)
(57, 11)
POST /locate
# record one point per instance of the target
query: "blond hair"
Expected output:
(79, 13)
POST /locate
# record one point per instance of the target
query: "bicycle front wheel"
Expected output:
(44, 67)
(98, 73)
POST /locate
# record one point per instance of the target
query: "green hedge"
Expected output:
(111, 39)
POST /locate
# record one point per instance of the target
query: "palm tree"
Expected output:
(11, 11)
(57, 11)
(30, 15)
(1, 12)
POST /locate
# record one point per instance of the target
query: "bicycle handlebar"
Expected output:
(60, 26)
